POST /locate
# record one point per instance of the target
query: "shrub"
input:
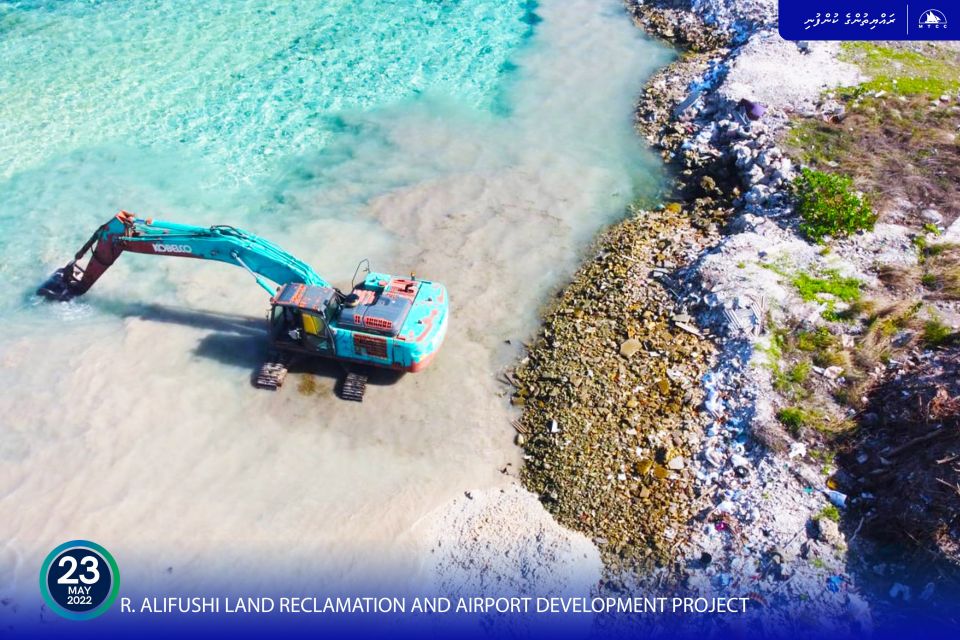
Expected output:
(829, 512)
(793, 418)
(935, 333)
(828, 206)
(799, 372)
(816, 340)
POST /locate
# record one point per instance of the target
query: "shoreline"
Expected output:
(738, 502)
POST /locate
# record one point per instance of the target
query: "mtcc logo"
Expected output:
(932, 19)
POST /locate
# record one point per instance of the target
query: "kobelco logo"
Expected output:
(172, 248)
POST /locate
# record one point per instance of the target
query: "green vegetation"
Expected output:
(828, 206)
(936, 334)
(829, 512)
(798, 373)
(831, 283)
(920, 244)
(823, 345)
(794, 419)
(826, 456)
(816, 340)
(826, 287)
(902, 71)
(942, 270)
(895, 138)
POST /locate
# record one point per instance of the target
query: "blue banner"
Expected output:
(869, 20)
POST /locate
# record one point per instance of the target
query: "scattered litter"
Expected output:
(753, 110)
(837, 498)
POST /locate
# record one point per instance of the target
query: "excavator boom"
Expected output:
(125, 232)
(385, 321)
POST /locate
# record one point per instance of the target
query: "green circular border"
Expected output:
(103, 606)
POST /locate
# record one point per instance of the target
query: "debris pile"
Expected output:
(905, 461)
(610, 395)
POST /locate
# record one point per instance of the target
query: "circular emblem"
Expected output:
(79, 580)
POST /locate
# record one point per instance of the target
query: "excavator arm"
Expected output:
(125, 232)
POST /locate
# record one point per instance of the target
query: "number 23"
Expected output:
(90, 562)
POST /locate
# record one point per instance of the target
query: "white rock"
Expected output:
(797, 450)
(714, 457)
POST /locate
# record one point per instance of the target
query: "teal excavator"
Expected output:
(384, 321)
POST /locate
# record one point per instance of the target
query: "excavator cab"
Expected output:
(300, 316)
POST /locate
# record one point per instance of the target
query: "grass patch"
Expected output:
(799, 373)
(903, 71)
(828, 205)
(812, 288)
(827, 289)
(937, 334)
(876, 345)
(816, 340)
(794, 419)
(942, 271)
(830, 512)
(900, 145)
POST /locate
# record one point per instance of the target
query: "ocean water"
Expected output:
(477, 143)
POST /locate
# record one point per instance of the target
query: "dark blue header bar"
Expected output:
(869, 20)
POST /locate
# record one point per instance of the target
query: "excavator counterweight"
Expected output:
(385, 321)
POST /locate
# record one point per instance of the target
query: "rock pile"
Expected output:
(610, 395)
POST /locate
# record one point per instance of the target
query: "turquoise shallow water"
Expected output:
(480, 143)
(193, 104)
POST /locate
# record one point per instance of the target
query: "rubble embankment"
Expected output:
(690, 388)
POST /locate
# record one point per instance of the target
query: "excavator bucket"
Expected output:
(58, 285)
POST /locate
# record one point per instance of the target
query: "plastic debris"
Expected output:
(727, 506)
(797, 450)
(837, 498)
(753, 110)
(834, 583)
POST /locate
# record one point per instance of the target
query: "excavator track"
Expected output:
(353, 387)
(272, 373)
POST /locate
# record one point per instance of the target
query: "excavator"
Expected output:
(384, 321)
